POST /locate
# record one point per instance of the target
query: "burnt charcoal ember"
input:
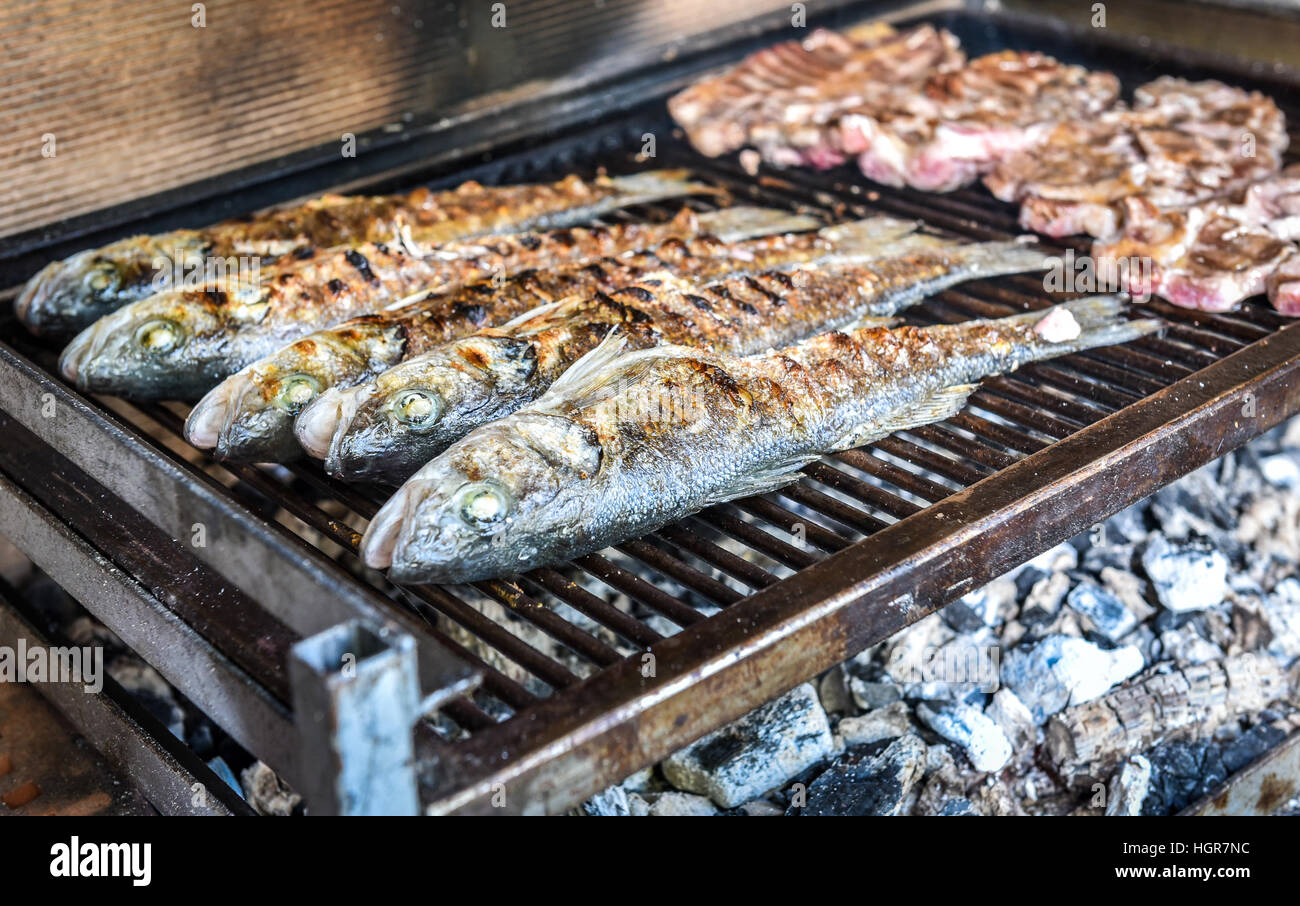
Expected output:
(680, 805)
(1105, 614)
(957, 808)
(1060, 671)
(610, 803)
(867, 780)
(1187, 576)
(1181, 773)
(889, 722)
(979, 736)
(869, 695)
(1250, 745)
(1129, 788)
(762, 750)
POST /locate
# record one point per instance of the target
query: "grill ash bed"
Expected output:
(542, 691)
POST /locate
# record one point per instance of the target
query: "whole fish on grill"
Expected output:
(68, 295)
(625, 443)
(178, 345)
(249, 415)
(387, 428)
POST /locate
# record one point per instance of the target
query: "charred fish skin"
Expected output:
(235, 417)
(626, 443)
(415, 410)
(249, 416)
(69, 295)
(217, 331)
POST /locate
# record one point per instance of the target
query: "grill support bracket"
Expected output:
(356, 700)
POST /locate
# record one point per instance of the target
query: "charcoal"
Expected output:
(867, 781)
(1181, 773)
(1187, 576)
(1061, 671)
(1106, 614)
(756, 753)
(983, 741)
(1250, 745)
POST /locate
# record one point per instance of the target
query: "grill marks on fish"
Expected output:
(736, 426)
(69, 295)
(738, 315)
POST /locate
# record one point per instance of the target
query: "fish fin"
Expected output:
(1100, 321)
(746, 221)
(545, 309)
(967, 261)
(605, 371)
(942, 403)
(655, 185)
(773, 478)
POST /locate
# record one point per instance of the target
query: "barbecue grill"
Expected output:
(528, 695)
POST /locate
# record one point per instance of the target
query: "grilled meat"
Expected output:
(1182, 143)
(387, 428)
(907, 106)
(66, 296)
(625, 443)
(1214, 254)
(961, 123)
(786, 99)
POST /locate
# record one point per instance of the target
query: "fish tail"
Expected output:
(656, 185)
(1082, 324)
(860, 239)
(747, 221)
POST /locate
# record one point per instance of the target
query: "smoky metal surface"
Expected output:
(736, 604)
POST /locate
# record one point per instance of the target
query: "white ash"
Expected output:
(983, 741)
(889, 722)
(1128, 788)
(266, 792)
(1186, 576)
(1061, 671)
(1198, 579)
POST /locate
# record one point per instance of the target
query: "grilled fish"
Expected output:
(392, 425)
(68, 295)
(623, 444)
(249, 416)
(178, 345)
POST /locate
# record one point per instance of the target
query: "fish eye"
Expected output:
(417, 408)
(104, 279)
(482, 505)
(296, 391)
(159, 335)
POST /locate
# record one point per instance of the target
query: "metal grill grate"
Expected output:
(560, 648)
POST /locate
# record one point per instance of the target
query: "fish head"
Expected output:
(168, 346)
(415, 410)
(249, 416)
(510, 495)
(68, 295)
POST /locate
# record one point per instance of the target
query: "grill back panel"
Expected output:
(135, 99)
